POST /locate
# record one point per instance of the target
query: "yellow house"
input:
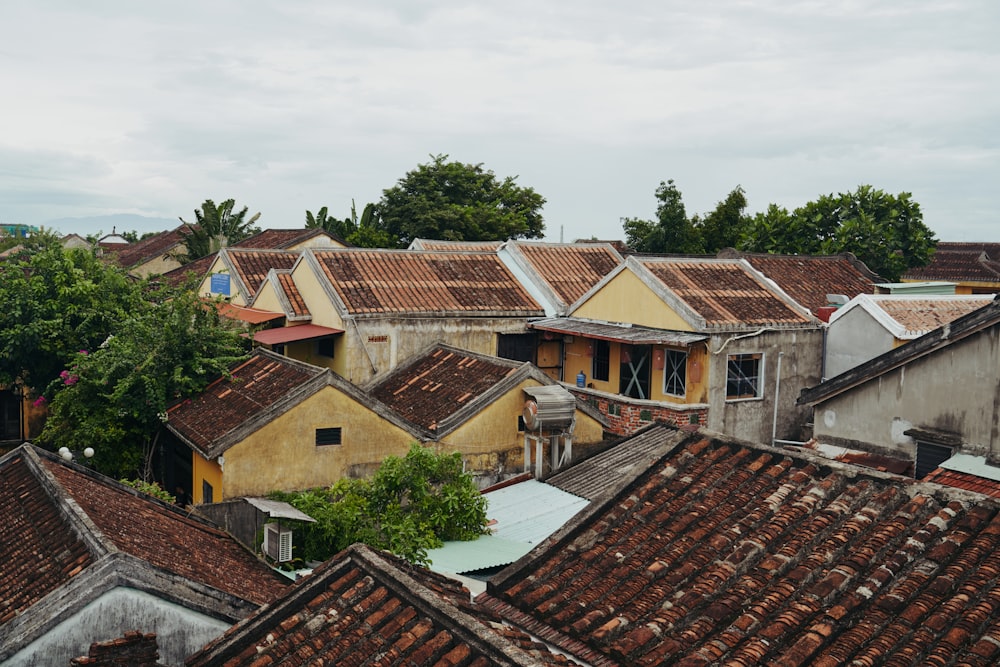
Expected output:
(280, 424)
(689, 341)
(377, 308)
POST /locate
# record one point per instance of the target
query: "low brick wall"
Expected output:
(625, 416)
(135, 649)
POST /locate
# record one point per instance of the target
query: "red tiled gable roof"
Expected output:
(920, 315)
(276, 239)
(723, 292)
(809, 279)
(255, 384)
(252, 265)
(291, 292)
(365, 607)
(410, 281)
(165, 537)
(724, 553)
(960, 262)
(198, 267)
(38, 550)
(433, 387)
(149, 248)
(570, 270)
(964, 480)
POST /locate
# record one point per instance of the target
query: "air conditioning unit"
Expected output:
(277, 542)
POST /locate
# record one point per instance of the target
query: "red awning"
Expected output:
(280, 335)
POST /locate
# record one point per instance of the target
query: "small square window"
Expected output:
(675, 372)
(328, 436)
(743, 376)
(324, 347)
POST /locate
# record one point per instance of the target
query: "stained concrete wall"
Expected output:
(854, 338)
(179, 631)
(956, 389)
(753, 419)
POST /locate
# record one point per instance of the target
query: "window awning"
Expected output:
(281, 335)
(248, 315)
(619, 333)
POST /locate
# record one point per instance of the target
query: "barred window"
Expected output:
(328, 436)
(675, 372)
(743, 376)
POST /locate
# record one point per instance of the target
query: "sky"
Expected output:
(149, 108)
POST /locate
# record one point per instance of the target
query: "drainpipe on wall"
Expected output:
(777, 395)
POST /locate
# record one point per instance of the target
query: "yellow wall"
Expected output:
(203, 470)
(156, 266)
(283, 454)
(205, 289)
(267, 299)
(625, 298)
(578, 357)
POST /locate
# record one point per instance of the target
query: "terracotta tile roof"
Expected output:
(437, 245)
(808, 279)
(166, 537)
(252, 265)
(964, 480)
(726, 553)
(918, 315)
(198, 267)
(149, 248)
(381, 282)
(277, 239)
(433, 386)
(723, 293)
(960, 262)
(291, 293)
(365, 607)
(255, 385)
(570, 269)
(38, 550)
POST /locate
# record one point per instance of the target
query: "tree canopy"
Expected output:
(113, 396)
(411, 504)
(217, 227)
(886, 232)
(363, 232)
(55, 302)
(459, 202)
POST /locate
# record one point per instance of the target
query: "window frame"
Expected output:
(322, 343)
(669, 372)
(602, 357)
(742, 357)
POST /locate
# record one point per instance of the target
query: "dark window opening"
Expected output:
(743, 376)
(518, 347)
(278, 349)
(929, 457)
(600, 368)
(328, 436)
(324, 347)
(675, 372)
(207, 492)
(635, 364)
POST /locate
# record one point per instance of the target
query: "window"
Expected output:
(206, 492)
(633, 381)
(675, 372)
(519, 347)
(327, 436)
(324, 347)
(602, 360)
(743, 376)
(929, 457)
(278, 349)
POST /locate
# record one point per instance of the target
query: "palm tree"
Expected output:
(217, 227)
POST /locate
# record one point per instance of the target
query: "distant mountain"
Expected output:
(104, 224)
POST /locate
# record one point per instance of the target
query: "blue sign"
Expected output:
(220, 283)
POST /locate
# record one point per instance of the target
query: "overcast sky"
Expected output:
(115, 106)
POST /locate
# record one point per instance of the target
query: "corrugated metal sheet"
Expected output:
(973, 465)
(524, 515)
(621, 333)
(277, 509)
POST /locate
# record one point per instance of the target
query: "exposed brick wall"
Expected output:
(133, 650)
(625, 418)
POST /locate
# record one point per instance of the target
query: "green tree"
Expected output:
(725, 226)
(459, 202)
(363, 232)
(886, 232)
(217, 227)
(411, 504)
(55, 302)
(113, 397)
(672, 231)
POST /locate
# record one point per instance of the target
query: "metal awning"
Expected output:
(619, 333)
(248, 315)
(277, 509)
(281, 335)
